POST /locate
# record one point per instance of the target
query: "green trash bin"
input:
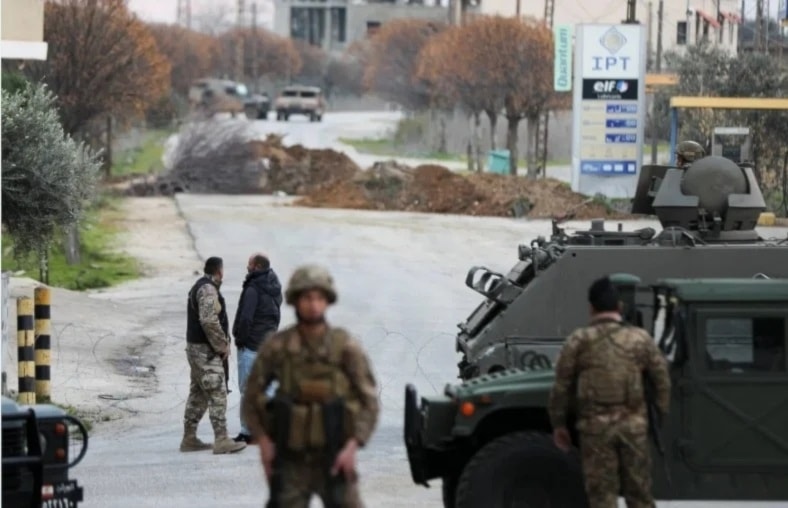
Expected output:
(498, 162)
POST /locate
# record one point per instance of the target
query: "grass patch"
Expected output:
(389, 148)
(100, 265)
(144, 159)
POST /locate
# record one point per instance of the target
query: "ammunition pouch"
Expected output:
(313, 426)
(610, 387)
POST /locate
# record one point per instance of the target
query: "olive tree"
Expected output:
(47, 177)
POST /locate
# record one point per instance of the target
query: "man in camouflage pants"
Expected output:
(604, 364)
(207, 347)
(323, 376)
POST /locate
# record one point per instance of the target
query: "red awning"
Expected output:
(709, 19)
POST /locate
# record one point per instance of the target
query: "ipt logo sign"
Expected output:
(611, 51)
(608, 109)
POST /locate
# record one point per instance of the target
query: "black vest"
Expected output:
(194, 332)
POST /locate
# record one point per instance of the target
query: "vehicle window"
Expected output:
(745, 344)
(230, 90)
(290, 93)
(308, 95)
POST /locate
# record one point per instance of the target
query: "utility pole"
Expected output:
(184, 13)
(631, 9)
(239, 42)
(457, 12)
(759, 46)
(518, 9)
(255, 65)
(542, 127)
(660, 13)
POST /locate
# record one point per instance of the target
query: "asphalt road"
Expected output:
(401, 291)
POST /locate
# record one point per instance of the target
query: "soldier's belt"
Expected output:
(314, 391)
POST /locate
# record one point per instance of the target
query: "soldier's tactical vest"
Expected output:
(610, 374)
(310, 378)
(194, 332)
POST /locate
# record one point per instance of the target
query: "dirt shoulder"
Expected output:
(104, 342)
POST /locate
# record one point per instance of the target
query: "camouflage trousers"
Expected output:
(206, 390)
(302, 477)
(617, 461)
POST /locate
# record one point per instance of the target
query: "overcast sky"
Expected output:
(165, 10)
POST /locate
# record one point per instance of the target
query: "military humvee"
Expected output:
(40, 444)
(299, 99)
(210, 96)
(725, 438)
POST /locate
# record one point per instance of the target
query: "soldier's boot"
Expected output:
(223, 444)
(191, 443)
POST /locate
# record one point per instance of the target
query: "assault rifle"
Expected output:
(334, 426)
(655, 421)
(280, 406)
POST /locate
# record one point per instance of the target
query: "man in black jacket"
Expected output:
(256, 318)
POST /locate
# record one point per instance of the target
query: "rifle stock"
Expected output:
(226, 367)
(655, 421)
(280, 406)
(334, 425)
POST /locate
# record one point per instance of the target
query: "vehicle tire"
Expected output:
(262, 115)
(319, 118)
(522, 469)
(449, 490)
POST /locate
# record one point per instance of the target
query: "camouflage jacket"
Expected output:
(209, 309)
(268, 366)
(599, 376)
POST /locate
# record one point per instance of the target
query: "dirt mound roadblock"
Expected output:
(428, 188)
(326, 178)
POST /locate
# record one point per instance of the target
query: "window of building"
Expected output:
(720, 31)
(681, 32)
(730, 34)
(745, 344)
(372, 27)
(338, 24)
(705, 30)
(308, 24)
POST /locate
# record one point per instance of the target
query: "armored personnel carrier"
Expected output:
(708, 213)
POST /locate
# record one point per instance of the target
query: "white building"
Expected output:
(23, 30)
(683, 21)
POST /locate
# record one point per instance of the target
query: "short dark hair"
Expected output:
(261, 261)
(603, 295)
(213, 264)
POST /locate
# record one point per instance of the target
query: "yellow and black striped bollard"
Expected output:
(43, 352)
(25, 342)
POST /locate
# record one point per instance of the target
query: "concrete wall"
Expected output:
(574, 12)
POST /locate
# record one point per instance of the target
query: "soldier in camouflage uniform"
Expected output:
(599, 379)
(207, 346)
(688, 152)
(325, 406)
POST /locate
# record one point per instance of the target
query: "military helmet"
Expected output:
(308, 277)
(690, 151)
